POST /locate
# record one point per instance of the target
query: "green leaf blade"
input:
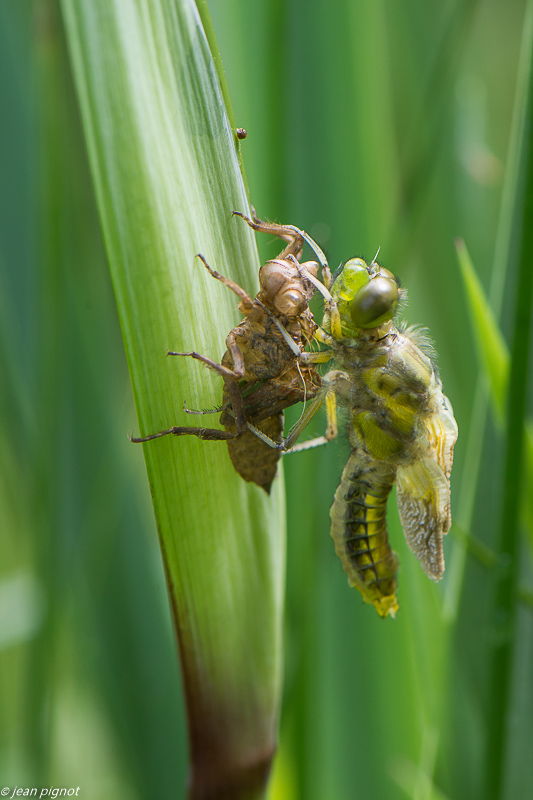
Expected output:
(167, 178)
(492, 350)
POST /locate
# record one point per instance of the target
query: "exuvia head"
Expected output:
(284, 287)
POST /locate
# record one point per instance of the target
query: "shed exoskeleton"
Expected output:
(261, 368)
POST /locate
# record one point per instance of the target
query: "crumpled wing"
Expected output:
(423, 492)
(441, 429)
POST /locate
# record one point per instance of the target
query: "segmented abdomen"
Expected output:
(359, 530)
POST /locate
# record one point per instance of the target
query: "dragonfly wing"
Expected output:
(423, 498)
(423, 491)
(441, 429)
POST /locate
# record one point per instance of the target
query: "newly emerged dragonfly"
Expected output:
(401, 430)
(261, 369)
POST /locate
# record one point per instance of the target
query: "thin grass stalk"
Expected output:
(506, 593)
(502, 256)
(166, 172)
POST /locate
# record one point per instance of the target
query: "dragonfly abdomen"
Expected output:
(359, 530)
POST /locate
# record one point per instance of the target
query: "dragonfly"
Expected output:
(401, 430)
(261, 368)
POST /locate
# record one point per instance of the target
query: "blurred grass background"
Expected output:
(370, 125)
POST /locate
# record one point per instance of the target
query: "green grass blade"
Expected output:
(506, 596)
(491, 347)
(488, 311)
(493, 355)
(166, 174)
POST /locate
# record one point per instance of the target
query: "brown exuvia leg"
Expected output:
(208, 434)
(231, 379)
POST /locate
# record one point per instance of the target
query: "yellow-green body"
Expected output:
(401, 429)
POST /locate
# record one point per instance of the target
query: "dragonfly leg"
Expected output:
(215, 410)
(287, 445)
(324, 291)
(327, 396)
(322, 357)
(322, 260)
(236, 356)
(231, 379)
(329, 302)
(331, 416)
(323, 337)
(214, 365)
(288, 234)
(246, 300)
(316, 358)
(284, 332)
(208, 434)
(232, 384)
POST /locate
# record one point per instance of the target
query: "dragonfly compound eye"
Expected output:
(374, 303)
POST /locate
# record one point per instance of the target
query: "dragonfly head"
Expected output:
(367, 296)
